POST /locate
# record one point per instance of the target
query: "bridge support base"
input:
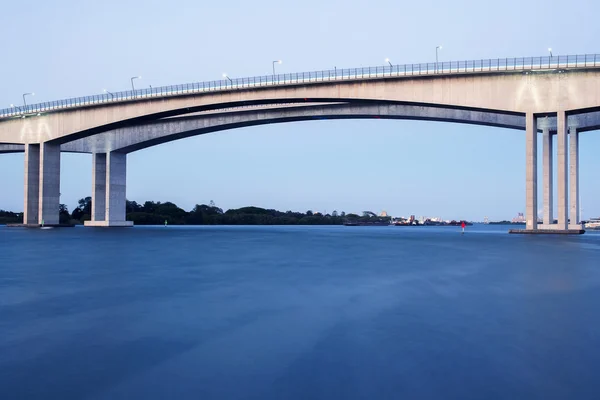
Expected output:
(109, 224)
(568, 221)
(548, 231)
(109, 182)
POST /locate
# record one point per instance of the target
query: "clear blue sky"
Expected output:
(61, 49)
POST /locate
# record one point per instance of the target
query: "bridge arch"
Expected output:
(133, 138)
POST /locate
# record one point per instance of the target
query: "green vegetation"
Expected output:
(156, 213)
(9, 217)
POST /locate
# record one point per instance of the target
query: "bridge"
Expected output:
(555, 96)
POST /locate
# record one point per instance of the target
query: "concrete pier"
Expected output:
(567, 179)
(109, 186)
(49, 184)
(574, 177)
(531, 171)
(98, 187)
(42, 184)
(32, 184)
(563, 163)
(548, 175)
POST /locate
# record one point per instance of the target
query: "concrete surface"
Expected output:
(517, 92)
(49, 183)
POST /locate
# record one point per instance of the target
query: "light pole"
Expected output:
(25, 101)
(227, 76)
(276, 62)
(132, 78)
(387, 60)
(550, 50)
(112, 96)
(436, 56)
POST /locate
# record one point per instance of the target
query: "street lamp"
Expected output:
(26, 94)
(550, 50)
(387, 60)
(436, 56)
(112, 96)
(227, 76)
(276, 62)
(132, 78)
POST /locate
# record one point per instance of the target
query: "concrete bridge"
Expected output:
(557, 95)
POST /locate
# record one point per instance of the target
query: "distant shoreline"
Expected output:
(168, 213)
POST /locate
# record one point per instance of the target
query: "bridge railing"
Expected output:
(408, 70)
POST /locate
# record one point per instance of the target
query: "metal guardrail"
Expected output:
(441, 68)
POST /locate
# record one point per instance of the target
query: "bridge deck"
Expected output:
(449, 68)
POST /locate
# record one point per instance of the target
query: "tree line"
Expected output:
(9, 217)
(157, 213)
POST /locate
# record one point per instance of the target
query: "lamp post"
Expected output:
(132, 78)
(25, 101)
(112, 96)
(227, 76)
(276, 62)
(387, 60)
(436, 56)
(550, 51)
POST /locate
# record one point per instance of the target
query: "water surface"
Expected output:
(298, 313)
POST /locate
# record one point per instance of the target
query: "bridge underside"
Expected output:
(144, 135)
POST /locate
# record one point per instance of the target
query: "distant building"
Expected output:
(383, 214)
(518, 219)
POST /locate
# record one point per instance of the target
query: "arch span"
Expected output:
(138, 137)
(128, 139)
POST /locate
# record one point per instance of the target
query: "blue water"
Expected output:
(298, 313)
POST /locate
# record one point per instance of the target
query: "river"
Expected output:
(298, 313)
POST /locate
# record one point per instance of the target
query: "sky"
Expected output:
(62, 49)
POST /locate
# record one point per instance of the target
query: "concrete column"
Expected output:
(531, 171)
(563, 163)
(49, 183)
(116, 182)
(116, 185)
(32, 184)
(98, 186)
(109, 190)
(548, 175)
(574, 177)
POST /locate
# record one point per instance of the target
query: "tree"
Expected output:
(334, 213)
(150, 206)
(85, 205)
(63, 214)
(84, 208)
(132, 206)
